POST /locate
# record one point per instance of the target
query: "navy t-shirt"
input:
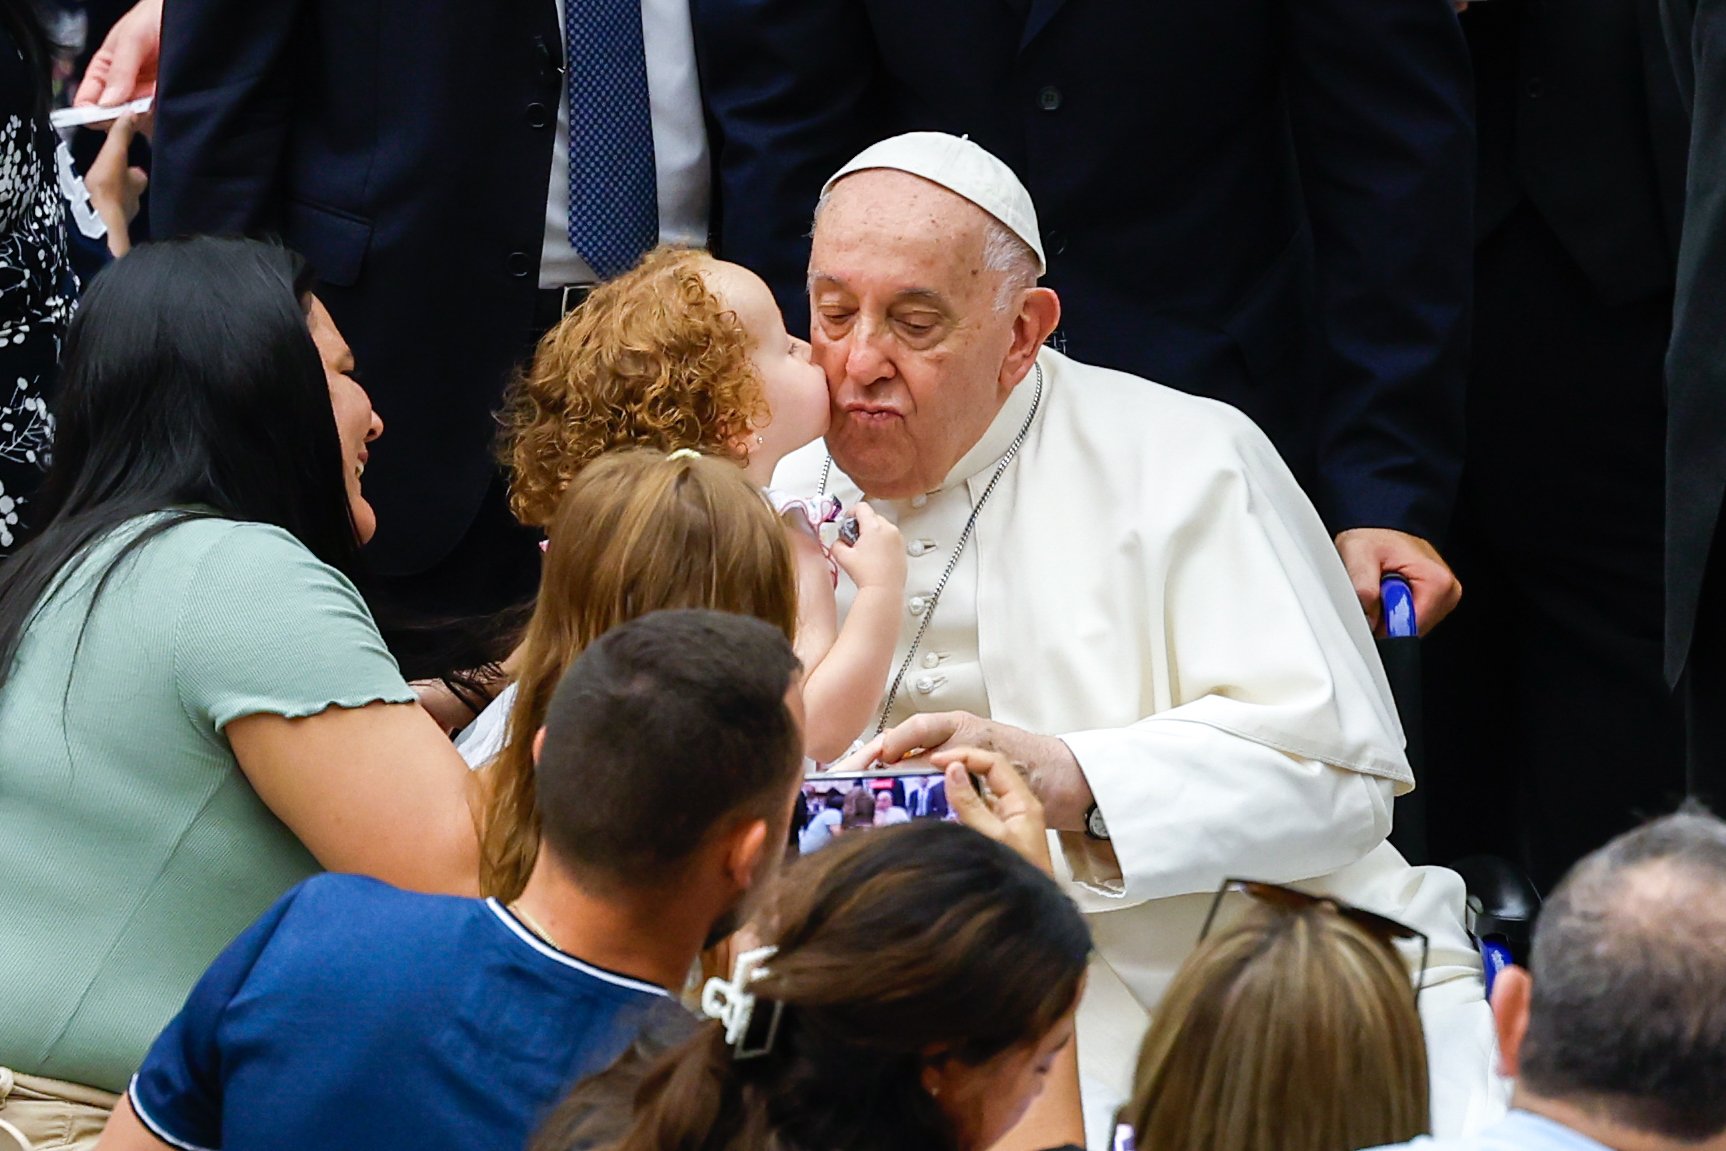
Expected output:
(354, 1014)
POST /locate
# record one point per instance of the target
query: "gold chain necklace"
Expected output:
(520, 913)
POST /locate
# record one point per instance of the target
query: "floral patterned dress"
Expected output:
(37, 289)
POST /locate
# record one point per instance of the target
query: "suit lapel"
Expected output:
(1668, 122)
(1042, 11)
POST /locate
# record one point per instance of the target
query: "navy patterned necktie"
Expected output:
(613, 190)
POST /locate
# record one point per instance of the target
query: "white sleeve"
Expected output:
(1188, 805)
(481, 740)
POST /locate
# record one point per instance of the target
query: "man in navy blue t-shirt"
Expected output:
(357, 1015)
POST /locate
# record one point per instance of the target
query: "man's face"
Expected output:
(904, 323)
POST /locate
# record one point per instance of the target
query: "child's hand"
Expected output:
(877, 559)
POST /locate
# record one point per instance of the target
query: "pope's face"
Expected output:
(904, 323)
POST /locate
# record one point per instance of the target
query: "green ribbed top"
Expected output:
(132, 849)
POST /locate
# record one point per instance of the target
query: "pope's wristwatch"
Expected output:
(1094, 825)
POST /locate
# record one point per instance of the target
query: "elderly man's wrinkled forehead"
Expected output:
(889, 213)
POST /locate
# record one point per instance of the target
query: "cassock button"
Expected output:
(931, 659)
(919, 500)
(917, 603)
(926, 684)
(918, 547)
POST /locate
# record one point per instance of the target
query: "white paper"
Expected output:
(63, 118)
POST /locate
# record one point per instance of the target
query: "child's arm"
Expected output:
(842, 689)
(817, 614)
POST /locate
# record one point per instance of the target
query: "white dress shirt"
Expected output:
(679, 144)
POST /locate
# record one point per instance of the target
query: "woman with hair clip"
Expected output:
(918, 996)
(196, 708)
(637, 531)
(1294, 1029)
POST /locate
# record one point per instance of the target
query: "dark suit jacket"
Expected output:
(1266, 201)
(404, 146)
(937, 800)
(1696, 361)
(1579, 116)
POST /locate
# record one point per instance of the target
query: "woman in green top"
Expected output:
(196, 709)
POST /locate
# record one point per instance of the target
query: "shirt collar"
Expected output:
(998, 437)
(519, 929)
(1530, 1132)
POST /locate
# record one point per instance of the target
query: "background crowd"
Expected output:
(429, 762)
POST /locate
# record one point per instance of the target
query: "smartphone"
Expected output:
(876, 770)
(879, 770)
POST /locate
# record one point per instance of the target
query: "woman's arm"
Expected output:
(1013, 815)
(453, 710)
(125, 1132)
(375, 790)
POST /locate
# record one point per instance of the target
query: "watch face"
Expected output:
(1094, 823)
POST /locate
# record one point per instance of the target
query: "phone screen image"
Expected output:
(850, 803)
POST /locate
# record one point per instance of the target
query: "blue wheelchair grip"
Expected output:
(1494, 957)
(1398, 600)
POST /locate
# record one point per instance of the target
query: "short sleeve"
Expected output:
(268, 628)
(177, 1092)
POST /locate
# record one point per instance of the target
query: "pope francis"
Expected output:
(1119, 586)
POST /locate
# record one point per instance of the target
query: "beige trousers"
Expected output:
(51, 1115)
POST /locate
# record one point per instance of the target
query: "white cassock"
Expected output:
(1148, 582)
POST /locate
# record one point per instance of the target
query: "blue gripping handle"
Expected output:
(1398, 601)
(1494, 957)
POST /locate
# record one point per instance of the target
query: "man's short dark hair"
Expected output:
(663, 730)
(1628, 1014)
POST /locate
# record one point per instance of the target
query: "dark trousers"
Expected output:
(1549, 728)
(470, 608)
(1703, 686)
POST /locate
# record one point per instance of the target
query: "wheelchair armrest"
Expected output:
(1502, 902)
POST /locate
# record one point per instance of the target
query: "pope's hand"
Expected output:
(1370, 554)
(1012, 814)
(124, 68)
(1047, 763)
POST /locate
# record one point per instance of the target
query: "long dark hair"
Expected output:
(911, 939)
(190, 386)
(23, 19)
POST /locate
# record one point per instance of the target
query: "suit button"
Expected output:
(518, 264)
(1049, 98)
(538, 115)
(1534, 88)
(1054, 241)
